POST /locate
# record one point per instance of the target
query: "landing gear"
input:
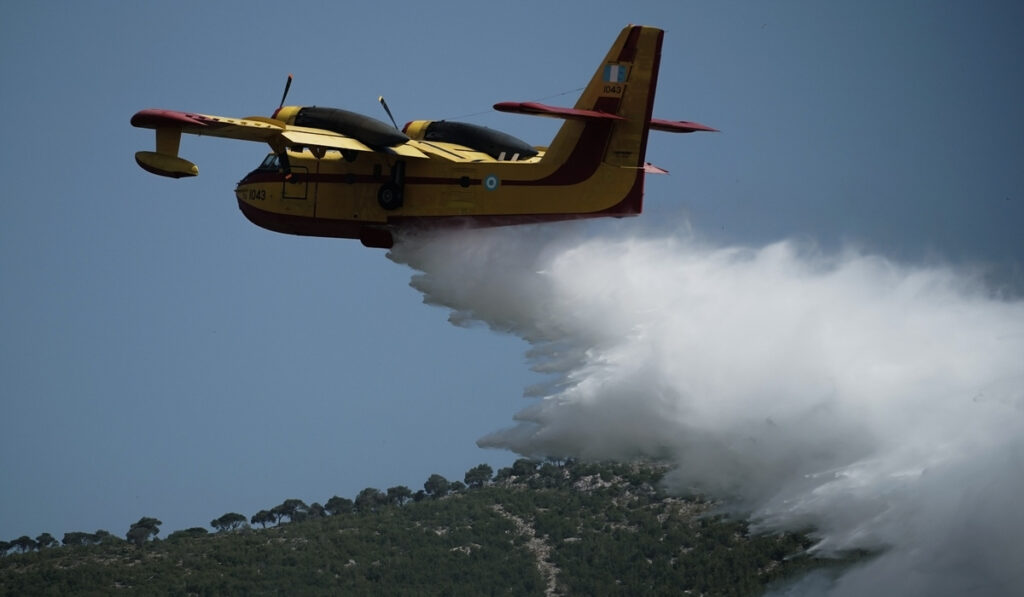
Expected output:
(391, 195)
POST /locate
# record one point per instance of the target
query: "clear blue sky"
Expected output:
(160, 356)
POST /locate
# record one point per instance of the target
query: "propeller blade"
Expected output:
(385, 104)
(287, 86)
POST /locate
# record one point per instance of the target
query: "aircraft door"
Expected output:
(297, 186)
(296, 193)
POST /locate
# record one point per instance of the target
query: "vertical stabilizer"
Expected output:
(623, 85)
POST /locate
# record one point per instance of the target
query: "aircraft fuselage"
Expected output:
(337, 194)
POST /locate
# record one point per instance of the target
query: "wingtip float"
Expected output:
(340, 174)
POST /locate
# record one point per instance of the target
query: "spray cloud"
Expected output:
(881, 404)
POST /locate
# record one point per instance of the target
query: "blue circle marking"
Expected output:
(491, 182)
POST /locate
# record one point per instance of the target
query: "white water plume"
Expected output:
(882, 405)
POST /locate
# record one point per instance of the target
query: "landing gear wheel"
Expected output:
(390, 196)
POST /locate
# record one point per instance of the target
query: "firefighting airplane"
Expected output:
(340, 174)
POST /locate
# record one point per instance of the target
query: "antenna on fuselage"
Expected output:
(386, 109)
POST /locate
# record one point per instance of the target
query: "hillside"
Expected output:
(579, 529)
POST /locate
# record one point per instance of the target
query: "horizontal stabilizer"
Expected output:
(679, 126)
(535, 109)
(657, 124)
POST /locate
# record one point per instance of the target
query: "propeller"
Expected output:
(287, 86)
(386, 109)
(283, 155)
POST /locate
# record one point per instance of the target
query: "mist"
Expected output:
(880, 404)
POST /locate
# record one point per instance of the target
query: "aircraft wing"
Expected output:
(254, 128)
(170, 124)
(298, 135)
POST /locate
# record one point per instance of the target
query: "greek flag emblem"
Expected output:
(615, 73)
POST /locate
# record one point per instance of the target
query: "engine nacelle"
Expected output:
(372, 132)
(498, 145)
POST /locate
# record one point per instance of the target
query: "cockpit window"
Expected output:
(271, 162)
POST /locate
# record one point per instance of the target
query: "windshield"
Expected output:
(271, 162)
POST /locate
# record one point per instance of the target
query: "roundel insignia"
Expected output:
(491, 182)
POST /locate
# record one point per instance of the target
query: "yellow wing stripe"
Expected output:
(169, 123)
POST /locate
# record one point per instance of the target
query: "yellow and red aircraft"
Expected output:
(340, 174)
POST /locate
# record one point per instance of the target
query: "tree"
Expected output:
(399, 495)
(46, 540)
(292, 508)
(436, 486)
(142, 530)
(5, 546)
(316, 510)
(549, 475)
(370, 499)
(138, 535)
(524, 467)
(228, 522)
(338, 505)
(456, 486)
(24, 543)
(101, 536)
(478, 476)
(550, 469)
(78, 538)
(262, 517)
(188, 534)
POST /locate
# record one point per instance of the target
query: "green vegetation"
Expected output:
(141, 531)
(534, 528)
